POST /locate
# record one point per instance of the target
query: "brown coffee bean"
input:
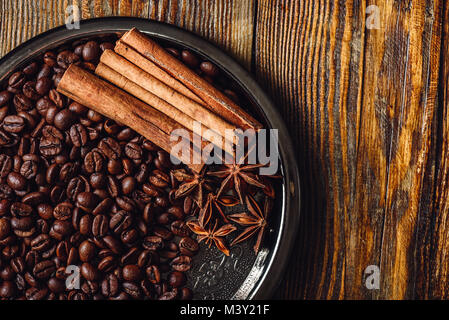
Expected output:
(110, 148)
(78, 135)
(209, 69)
(89, 272)
(176, 279)
(91, 51)
(100, 226)
(153, 274)
(14, 124)
(153, 243)
(66, 58)
(64, 119)
(93, 162)
(41, 243)
(120, 221)
(107, 264)
(110, 285)
(189, 59)
(63, 211)
(43, 85)
(131, 273)
(181, 263)
(44, 269)
(180, 228)
(87, 251)
(29, 90)
(16, 181)
(188, 246)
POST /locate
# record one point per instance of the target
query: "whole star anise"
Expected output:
(192, 183)
(237, 174)
(254, 220)
(212, 235)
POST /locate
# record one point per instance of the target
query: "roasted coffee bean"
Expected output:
(181, 263)
(129, 236)
(93, 162)
(14, 124)
(107, 264)
(153, 274)
(209, 69)
(180, 228)
(131, 273)
(50, 146)
(133, 151)
(78, 135)
(110, 285)
(17, 80)
(189, 59)
(125, 203)
(5, 227)
(6, 165)
(43, 85)
(44, 269)
(91, 51)
(176, 279)
(29, 90)
(87, 201)
(56, 285)
(89, 272)
(163, 233)
(29, 169)
(87, 251)
(110, 148)
(114, 166)
(68, 171)
(132, 289)
(76, 186)
(128, 185)
(113, 244)
(8, 289)
(153, 243)
(5, 97)
(22, 102)
(103, 206)
(63, 211)
(60, 229)
(188, 246)
(85, 224)
(120, 221)
(16, 181)
(41, 243)
(66, 58)
(64, 119)
(100, 226)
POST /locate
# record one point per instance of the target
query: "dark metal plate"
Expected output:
(242, 275)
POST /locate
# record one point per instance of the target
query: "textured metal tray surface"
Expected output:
(242, 275)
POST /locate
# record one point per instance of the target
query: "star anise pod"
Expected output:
(195, 183)
(237, 174)
(212, 235)
(214, 202)
(254, 220)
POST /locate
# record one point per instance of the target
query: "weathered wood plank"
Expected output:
(315, 78)
(228, 24)
(362, 175)
(434, 248)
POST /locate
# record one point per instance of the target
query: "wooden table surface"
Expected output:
(364, 89)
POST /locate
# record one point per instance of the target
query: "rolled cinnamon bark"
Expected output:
(215, 100)
(156, 87)
(134, 89)
(102, 97)
(143, 63)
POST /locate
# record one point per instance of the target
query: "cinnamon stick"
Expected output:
(153, 85)
(136, 90)
(100, 96)
(214, 99)
(143, 63)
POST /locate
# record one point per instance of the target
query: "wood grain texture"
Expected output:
(361, 103)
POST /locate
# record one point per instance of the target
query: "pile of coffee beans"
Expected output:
(86, 204)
